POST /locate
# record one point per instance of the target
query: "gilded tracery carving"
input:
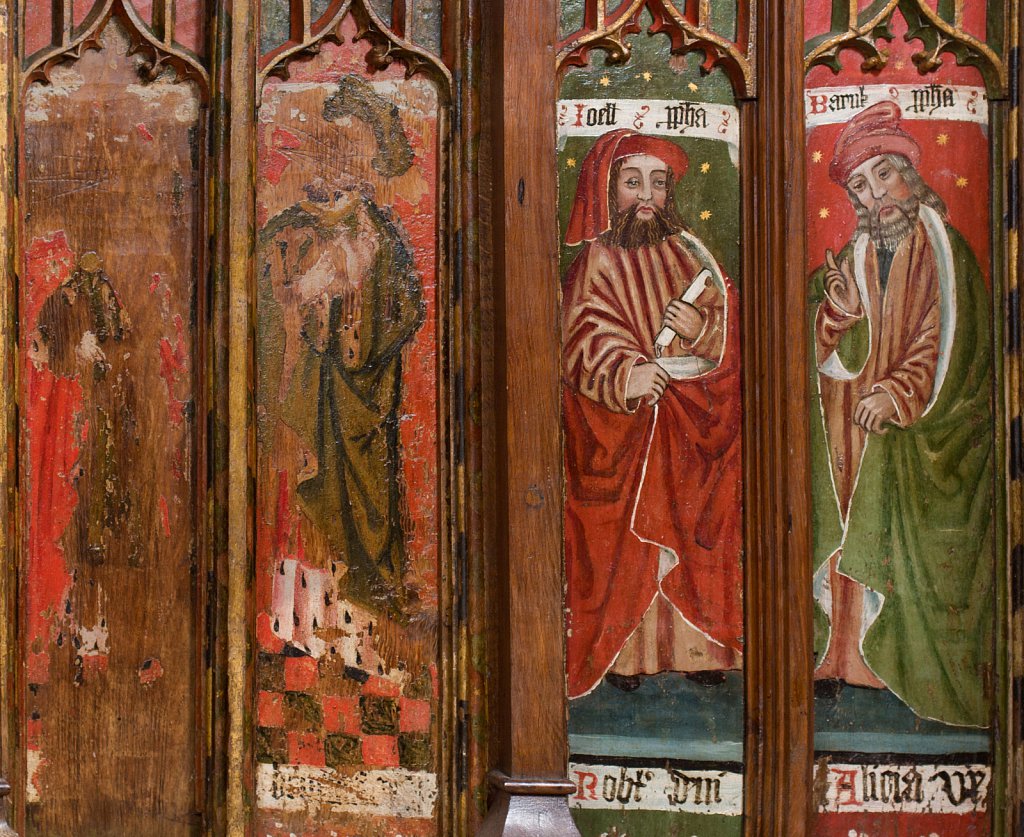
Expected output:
(939, 32)
(155, 40)
(388, 43)
(688, 25)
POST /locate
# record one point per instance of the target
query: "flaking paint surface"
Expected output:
(347, 679)
(111, 198)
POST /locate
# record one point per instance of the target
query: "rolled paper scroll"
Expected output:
(690, 296)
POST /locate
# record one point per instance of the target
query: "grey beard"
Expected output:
(890, 233)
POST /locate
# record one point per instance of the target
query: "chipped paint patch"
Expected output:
(63, 82)
(276, 160)
(301, 788)
(39, 668)
(94, 640)
(33, 784)
(165, 516)
(174, 368)
(93, 665)
(183, 103)
(150, 671)
(92, 650)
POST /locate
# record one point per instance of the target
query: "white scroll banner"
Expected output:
(910, 789)
(656, 117)
(609, 787)
(945, 102)
(397, 792)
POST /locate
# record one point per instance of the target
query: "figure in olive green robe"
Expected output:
(910, 510)
(359, 302)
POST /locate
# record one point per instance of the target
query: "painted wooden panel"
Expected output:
(649, 205)
(112, 560)
(904, 258)
(350, 447)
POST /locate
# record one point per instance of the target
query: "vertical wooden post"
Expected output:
(1013, 814)
(241, 223)
(779, 631)
(531, 718)
(8, 384)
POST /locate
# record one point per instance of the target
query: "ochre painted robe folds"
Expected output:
(910, 510)
(644, 483)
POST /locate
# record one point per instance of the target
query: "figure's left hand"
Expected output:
(684, 319)
(874, 411)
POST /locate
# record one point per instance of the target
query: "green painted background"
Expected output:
(717, 191)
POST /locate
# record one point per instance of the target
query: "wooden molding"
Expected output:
(692, 31)
(5, 792)
(240, 223)
(531, 787)
(530, 714)
(8, 422)
(155, 42)
(534, 807)
(529, 816)
(936, 34)
(779, 654)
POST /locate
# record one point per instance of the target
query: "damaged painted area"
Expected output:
(109, 439)
(64, 81)
(348, 450)
(384, 793)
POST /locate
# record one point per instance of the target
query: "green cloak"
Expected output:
(920, 533)
(344, 405)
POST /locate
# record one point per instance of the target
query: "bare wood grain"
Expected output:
(532, 713)
(8, 384)
(779, 657)
(241, 226)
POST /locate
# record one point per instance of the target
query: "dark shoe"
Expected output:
(828, 689)
(624, 682)
(713, 677)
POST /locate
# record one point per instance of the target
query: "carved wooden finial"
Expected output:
(5, 791)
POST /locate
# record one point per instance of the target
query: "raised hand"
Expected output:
(840, 284)
(647, 381)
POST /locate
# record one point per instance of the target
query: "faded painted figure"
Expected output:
(651, 408)
(82, 333)
(352, 300)
(903, 448)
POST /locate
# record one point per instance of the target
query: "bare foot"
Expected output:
(848, 667)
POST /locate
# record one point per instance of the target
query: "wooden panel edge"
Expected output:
(779, 656)
(1012, 763)
(531, 723)
(241, 227)
(8, 469)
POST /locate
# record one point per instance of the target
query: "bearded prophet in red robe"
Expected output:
(651, 412)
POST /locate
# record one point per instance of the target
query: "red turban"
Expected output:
(872, 132)
(590, 213)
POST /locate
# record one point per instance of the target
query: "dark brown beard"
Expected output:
(630, 231)
(889, 233)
